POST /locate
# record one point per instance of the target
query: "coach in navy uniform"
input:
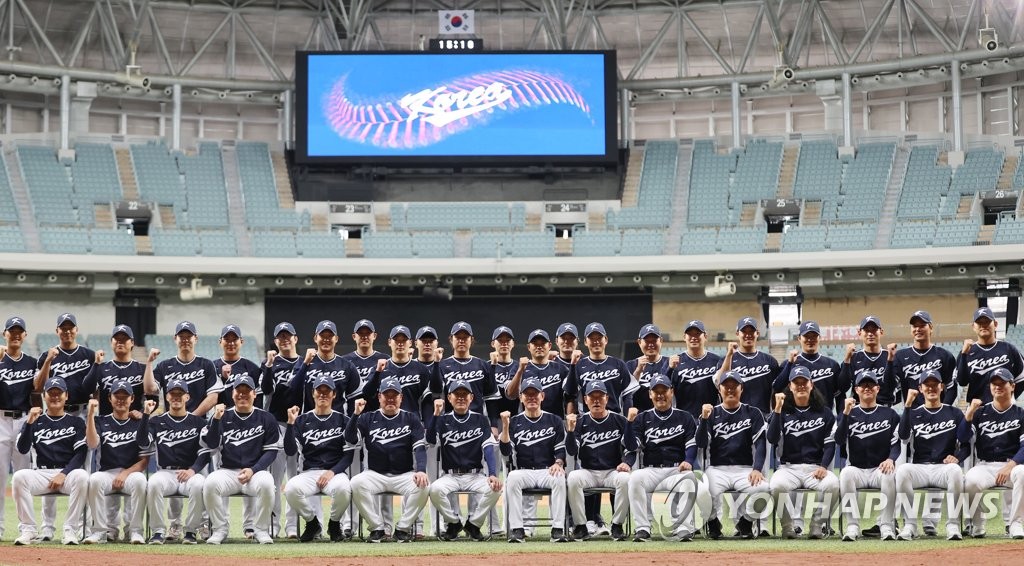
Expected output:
(320, 436)
(694, 377)
(598, 365)
(17, 370)
(319, 362)
(538, 366)
(909, 363)
(180, 459)
(69, 361)
(759, 369)
(59, 441)
(978, 359)
(198, 372)
(998, 430)
(824, 372)
(414, 376)
(248, 439)
(466, 443)
(231, 365)
(462, 366)
(870, 359)
(121, 368)
(396, 457)
(275, 383)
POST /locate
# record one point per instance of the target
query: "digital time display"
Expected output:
(447, 45)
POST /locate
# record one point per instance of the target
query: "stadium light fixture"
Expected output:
(196, 291)
(720, 288)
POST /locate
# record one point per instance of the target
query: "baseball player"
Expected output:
(427, 351)
(759, 369)
(181, 457)
(734, 435)
(277, 375)
(598, 441)
(824, 371)
(566, 342)
(803, 429)
(999, 449)
(465, 440)
(909, 363)
(322, 361)
(551, 375)
(396, 459)
(122, 464)
(17, 371)
(364, 359)
(535, 441)
(198, 372)
(320, 435)
(461, 365)
(504, 367)
(933, 431)
(979, 358)
(122, 368)
(665, 437)
(693, 378)
(870, 359)
(870, 432)
(231, 365)
(648, 364)
(58, 439)
(248, 439)
(413, 375)
(598, 365)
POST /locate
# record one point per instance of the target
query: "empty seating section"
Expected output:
(491, 244)
(533, 244)
(111, 242)
(204, 184)
(709, 185)
(319, 244)
(864, 183)
(819, 173)
(642, 242)
(1009, 231)
(262, 208)
(804, 239)
(218, 243)
(157, 174)
(456, 216)
(48, 184)
(979, 173)
(387, 244)
(657, 185)
(924, 185)
(593, 243)
(912, 234)
(698, 241)
(742, 240)
(8, 212)
(851, 236)
(956, 233)
(433, 244)
(94, 174)
(81, 241)
(757, 173)
(174, 242)
(274, 244)
(11, 240)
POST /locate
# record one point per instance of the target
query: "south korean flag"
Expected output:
(452, 22)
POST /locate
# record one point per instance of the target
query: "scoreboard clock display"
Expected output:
(460, 45)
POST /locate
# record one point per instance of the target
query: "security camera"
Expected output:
(988, 38)
(196, 291)
(720, 288)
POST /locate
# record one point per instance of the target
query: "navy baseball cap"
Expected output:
(649, 329)
(502, 330)
(459, 384)
(659, 379)
(695, 324)
(796, 372)
(568, 327)
(808, 327)
(595, 327)
(539, 333)
(745, 322)
(55, 383)
(185, 326)
(364, 323)
(284, 327)
(596, 385)
(984, 312)
(929, 374)
(425, 330)
(923, 315)
(531, 384)
(866, 376)
(326, 325)
(176, 384)
(244, 380)
(390, 384)
(120, 386)
(461, 326)
(731, 376)
(66, 317)
(14, 321)
(231, 329)
(323, 380)
(400, 329)
(870, 319)
(1001, 373)
(122, 329)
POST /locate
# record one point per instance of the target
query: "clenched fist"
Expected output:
(848, 406)
(381, 364)
(891, 348)
(967, 345)
(360, 404)
(150, 406)
(911, 395)
(293, 413)
(780, 398)
(632, 413)
(94, 404)
(218, 411)
(505, 416)
(792, 356)
(570, 421)
(523, 362)
(34, 413)
(225, 370)
(309, 355)
(271, 354)
(153, 354)
(438, 407)
(673, 361)
(705, 411)
(99, 357)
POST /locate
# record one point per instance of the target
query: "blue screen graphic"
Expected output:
(395, 105)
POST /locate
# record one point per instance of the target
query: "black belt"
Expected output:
(12, 414)
(671, 465)
(462, 471)
(49, 467)
(174, 468)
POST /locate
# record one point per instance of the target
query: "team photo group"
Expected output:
(160, 446)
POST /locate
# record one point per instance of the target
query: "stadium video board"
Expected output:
(419, 108)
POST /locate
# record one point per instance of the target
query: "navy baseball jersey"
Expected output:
(600, 444)
(73, 366)
(998, 436)
(199, 374)
(806, 436)
(480, 376)
(933, 434)
(245, 441)
(392, 445)
(875, 365)
(534, 443)
(365, 366)
(464, 441)
(275, 385)
(415, 379)
(759, 371)
(642, 395)
(694, 382)
(911, 362)
(59, 442)
(871, 436)
(552, 377)
(119, 442)
(665, 439)
(974, 368)
(178, 441)
(734, 438)
(103, 376)
(825, 373)
(615, 375)
(16, 377)
(241, 367)
(340, 370)
(321, 438)
(503, 373)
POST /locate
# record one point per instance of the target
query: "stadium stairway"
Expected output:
(26, 217)
(892, 197)
(126, 170)
(236, 205)
(680, 200)
(787, 172)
